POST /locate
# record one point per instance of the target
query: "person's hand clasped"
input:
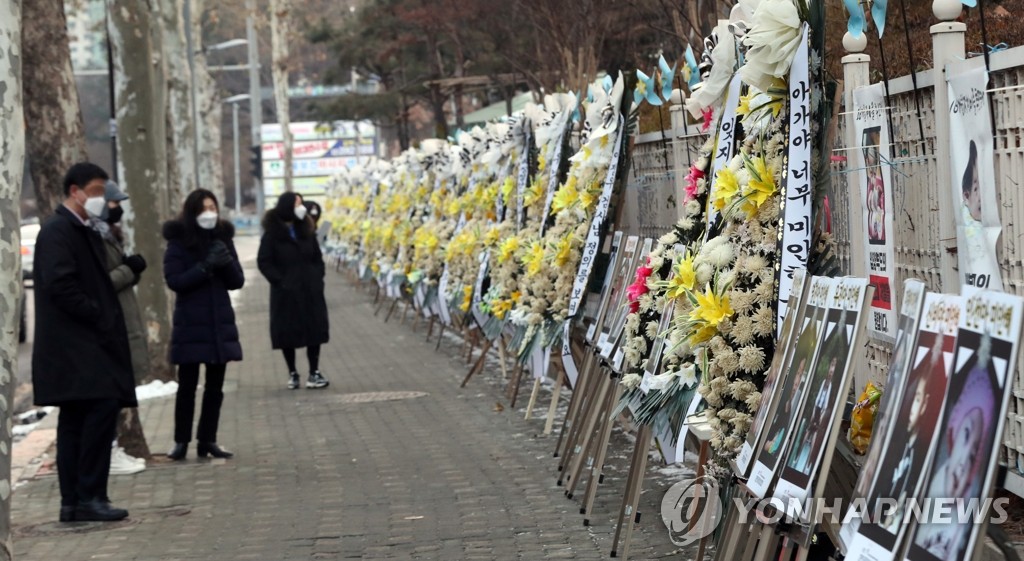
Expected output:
(136, 263)
(218, 257)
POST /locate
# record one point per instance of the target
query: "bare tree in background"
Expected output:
(56, 139)
(142, 145)
(12, 164)
(279, 15)
(208, 105)
(181, 140)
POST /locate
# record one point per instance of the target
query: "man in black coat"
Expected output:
(81, 360)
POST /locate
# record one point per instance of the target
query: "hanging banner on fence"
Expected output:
(971, 158)
(796, 184)
(873, 175)
(593, 242)
(725, 144)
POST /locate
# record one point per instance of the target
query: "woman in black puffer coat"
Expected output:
(201, 266)
(290, 259)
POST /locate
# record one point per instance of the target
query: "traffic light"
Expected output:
(256, 160)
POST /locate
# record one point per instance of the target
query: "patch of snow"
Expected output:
(155, 389)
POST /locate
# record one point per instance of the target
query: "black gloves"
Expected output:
(218, 256)
(136, 263)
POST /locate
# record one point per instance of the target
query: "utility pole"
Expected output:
(255, 97)
(113, 106)
(234, 138)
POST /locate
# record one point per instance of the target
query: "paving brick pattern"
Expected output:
(320, 475)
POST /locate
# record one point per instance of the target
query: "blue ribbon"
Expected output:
(857, 23)
(878, 8)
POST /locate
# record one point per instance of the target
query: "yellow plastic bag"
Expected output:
(863, 418)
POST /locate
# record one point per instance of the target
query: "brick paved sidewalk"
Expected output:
(444, 475)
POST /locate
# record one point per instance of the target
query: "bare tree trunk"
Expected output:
(131, 437)
(181, 140)
(279, 14)
(211, 174)
(142, 145)
(56, 139)
(12, 164)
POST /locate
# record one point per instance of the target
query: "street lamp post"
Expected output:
(234, 100)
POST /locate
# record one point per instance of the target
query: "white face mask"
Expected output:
(300, 212)
(207, 220)
(94, 206)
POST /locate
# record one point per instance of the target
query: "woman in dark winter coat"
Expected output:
(201, 266)
(290, 259)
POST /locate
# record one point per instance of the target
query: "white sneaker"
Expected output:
(123, 464)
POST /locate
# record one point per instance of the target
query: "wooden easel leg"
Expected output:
(533, 398)
(503, 357)
(479, 364)
(376, 295)
(440, 336)
(518, 379)
(596, 472)
(633, 516)
(575, 402)
(767, 544)
(391, 310)
(627, 495)
(592, 416)
(549, 423)
(430, 328)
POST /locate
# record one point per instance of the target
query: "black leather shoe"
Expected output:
(211, 448)
(178, 452)
(67, 513)
(99, 511)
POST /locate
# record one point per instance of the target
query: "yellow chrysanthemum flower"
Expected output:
(534, 259)
(683, 280)
(500, 308)
(762, 183)
(492, 237)
(711, 308)
(727, 186)
(563, 251)
(565, 197)
(467, 298)
(508, 249)
(534, 193)
(507, 188)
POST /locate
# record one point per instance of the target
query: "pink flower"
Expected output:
(639, 286)
(691, 182)
(708, 114)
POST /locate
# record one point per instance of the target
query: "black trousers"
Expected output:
(85, 430)
(185, 404)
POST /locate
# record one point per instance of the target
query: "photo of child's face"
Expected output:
(917, 406)
(964, 452)
(973, 197)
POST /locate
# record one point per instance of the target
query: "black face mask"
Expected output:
(114, 215)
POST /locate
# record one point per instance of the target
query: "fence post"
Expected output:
(856, 66)
(677, 120)
(947, 47)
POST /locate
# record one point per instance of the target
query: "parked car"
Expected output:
(29, 232)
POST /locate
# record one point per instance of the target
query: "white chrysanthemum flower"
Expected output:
(632, 322)
(651, 330)
(669, 238)
(743, 330)
(704, 273)
(691, 208)
(646, 303)
(632, 356)
(764, 321)
(751, 360)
